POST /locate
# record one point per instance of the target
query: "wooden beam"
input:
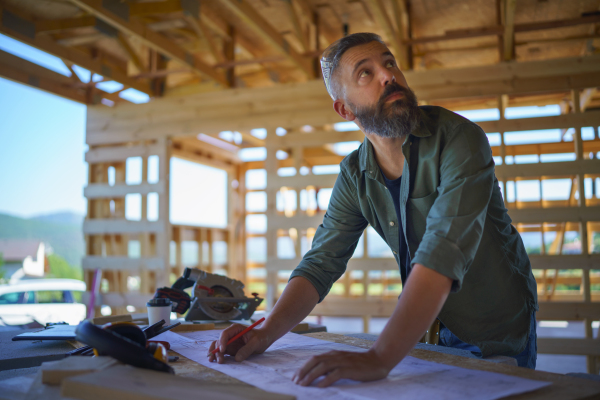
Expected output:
(133, 56)
(22, 71)
(116, 14)
(244, 11)
(403, 28)
(587, 346)
(137, 9)
(56, 25)
(121, 263)
(509, 29)
(21, 27)
(383, 20)
(499, 30)
(112, 226)
(106, 191)
(33, 75)
(295, 19)
(266, 107)
(205, 35)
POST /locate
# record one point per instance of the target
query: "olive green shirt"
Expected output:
(454, 222)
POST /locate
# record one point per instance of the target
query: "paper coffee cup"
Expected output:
(159, 309)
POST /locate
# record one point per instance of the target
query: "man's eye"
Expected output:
(364, 73)
(390, 64)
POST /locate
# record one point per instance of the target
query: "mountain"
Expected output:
(63, 217)
(62, 231)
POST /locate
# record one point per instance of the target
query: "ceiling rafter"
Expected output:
(55, 25)
(499, 29)
(295, 19)
(117, 15)
(133, 56)
(382, 18)
(509, 29)
(260, 26)
(21, 27)
(25, 72)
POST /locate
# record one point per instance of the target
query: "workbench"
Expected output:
(563, 387)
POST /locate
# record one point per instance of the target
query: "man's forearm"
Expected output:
(420, 303)
(296, 302)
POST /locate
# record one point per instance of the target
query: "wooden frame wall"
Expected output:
(297, 105)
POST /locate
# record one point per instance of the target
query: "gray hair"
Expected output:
(333, 55)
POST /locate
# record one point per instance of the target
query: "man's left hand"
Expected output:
(336, 365)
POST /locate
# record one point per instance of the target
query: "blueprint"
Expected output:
(412, 378)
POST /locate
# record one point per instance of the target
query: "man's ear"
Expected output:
(342, 109)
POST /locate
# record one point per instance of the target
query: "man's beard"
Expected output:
(390, 120)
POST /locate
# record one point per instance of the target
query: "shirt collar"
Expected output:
(366, 155)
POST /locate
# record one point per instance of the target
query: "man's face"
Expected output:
(376, 91)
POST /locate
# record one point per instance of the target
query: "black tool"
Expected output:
(123, 342)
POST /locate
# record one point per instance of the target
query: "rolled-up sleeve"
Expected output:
(335, 239)
(455, 221)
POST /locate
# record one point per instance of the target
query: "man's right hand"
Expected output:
(254, 342)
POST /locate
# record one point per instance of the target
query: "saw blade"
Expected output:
(223, 287)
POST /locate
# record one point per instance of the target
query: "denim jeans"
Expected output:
(527, 358)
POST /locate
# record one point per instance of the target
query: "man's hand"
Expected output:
(254, 342)
(336, 365)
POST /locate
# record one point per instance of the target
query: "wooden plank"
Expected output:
(105, 191)
(587, 346)
(119, 153)
(297, 221)
(529, 215)
(54, 25)
(122, 263)
(571, 261)
(316, 138)
(353, 307)
(504, 172)
(272, 106)
(244, 11)
(126, 383)
(354, 264)
(384, 22)
(564, 121)
(22, 71)
(26, 34)
(509, 29)
(108, 226)
(301, 181)
(150, 38)
(567, 311)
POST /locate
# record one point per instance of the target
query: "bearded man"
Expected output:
(424, 180)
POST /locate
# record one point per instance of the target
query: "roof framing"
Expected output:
(117, 14)
(21, 27)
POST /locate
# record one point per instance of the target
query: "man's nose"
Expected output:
(387, 77)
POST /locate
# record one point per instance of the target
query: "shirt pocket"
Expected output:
(417, 210)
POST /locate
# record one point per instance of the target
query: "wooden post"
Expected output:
(163, 238)
(502, 104)
(271, 167)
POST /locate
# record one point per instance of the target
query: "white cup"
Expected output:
(159, 309)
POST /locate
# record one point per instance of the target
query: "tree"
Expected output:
(60, 268)
(2, 270)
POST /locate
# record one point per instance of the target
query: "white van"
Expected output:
(42, 300)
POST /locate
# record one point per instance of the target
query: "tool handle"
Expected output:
(239, 335)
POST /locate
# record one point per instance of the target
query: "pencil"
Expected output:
(239, 335)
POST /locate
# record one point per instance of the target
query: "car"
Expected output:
(42, 300)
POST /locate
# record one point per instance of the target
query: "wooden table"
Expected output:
(563, 387)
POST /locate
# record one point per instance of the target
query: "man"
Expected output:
(424, 180)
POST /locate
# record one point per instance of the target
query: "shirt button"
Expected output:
(392, 223)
